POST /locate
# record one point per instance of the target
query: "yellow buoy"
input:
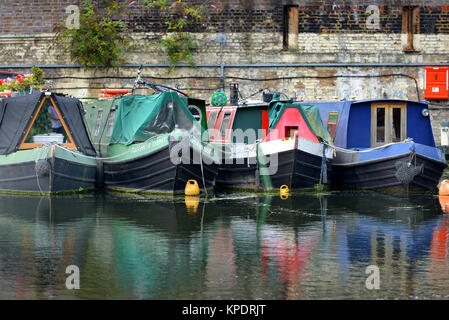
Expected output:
(192, 188)
(192, 203)
(284, 191)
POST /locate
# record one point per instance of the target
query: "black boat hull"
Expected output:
(240, 175)
(156, 173)
(47, 176)
(382, 174)
(297, 170)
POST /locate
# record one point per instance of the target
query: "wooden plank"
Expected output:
(25, 146)
(22, 142)
(71, 144)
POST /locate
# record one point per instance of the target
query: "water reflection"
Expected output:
(243, 247)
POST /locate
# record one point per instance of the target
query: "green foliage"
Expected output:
(38, 74)
(100, 40)
(179, 46)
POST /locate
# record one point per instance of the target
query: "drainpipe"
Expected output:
(244, 65)
(221, 40)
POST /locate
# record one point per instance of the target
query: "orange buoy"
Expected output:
(444, 203)
(116, 91)
(443, 189)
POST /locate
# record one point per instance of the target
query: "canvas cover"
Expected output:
(141, 117)
(16, 114)
(310, 114)
(73, 114)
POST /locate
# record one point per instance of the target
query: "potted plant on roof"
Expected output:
(22, 84)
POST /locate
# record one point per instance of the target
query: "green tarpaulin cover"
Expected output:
(144, 116)
(311, 115)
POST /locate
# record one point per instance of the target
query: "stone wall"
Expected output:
(332, 33)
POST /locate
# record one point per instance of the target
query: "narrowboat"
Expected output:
(44, 163)
(269, 145)
(383, 144)
(151, 143)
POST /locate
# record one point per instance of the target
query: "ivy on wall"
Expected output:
(100, 39)
(179, 45)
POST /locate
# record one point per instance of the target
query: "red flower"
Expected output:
(20, 80)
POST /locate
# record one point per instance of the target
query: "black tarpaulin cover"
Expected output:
(16, 114)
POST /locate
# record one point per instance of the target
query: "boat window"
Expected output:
(196, 112)
(47, 126)
(98, 122)
(332, 124)
(225, 123)
(111, 122)
(396, 128)
(389, 123)
(212, 119)
(290, 131)
(380, 125)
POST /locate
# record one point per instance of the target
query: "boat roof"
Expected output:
(17, 115)
(143, 116)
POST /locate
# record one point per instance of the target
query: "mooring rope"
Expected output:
(39, 157)
(367, 150)
(77, 153)
(202, 172)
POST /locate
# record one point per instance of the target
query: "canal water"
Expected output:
(228, 247)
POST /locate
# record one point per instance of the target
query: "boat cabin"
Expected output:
(371, 123)
(25, 123)
(270, 121)
(223, 120)
(132, 119)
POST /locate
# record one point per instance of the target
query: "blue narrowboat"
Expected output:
(382, 144)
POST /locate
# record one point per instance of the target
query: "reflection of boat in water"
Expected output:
(355, 230)
(237, 247)
(386, 207)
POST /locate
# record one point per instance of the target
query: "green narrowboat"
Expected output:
(29, 165)
(152, 143)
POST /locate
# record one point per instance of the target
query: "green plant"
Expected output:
(100, 40)
(178, 45)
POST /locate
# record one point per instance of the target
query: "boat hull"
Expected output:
(240, 175)
(48, 175)
(385, 174)
(298, 167)
(155, 172)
